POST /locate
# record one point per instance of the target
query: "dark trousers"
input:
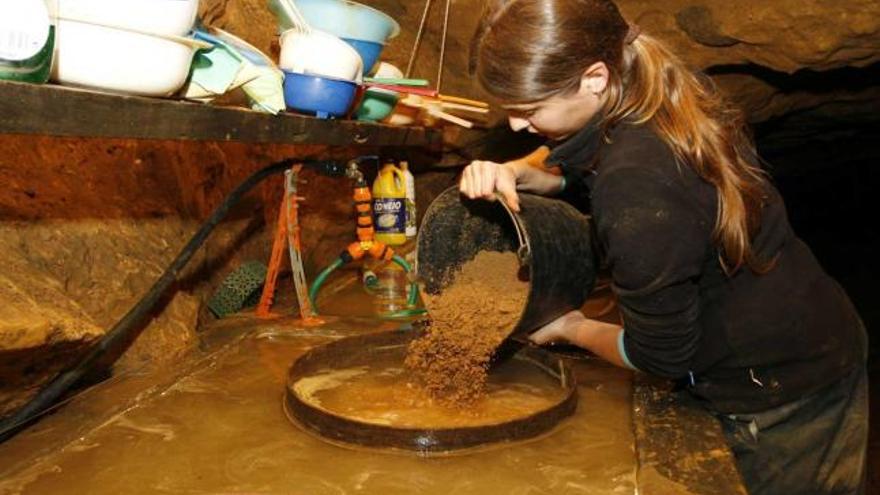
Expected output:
(813, 446)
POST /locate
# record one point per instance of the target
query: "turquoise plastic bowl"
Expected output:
(348, 19)
(376, 105)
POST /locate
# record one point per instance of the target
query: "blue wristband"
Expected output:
(621, 349)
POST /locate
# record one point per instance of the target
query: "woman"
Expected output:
(714, 288)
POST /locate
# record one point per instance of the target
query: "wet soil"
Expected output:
(469, 319)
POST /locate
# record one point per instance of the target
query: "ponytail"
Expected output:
(655, 88)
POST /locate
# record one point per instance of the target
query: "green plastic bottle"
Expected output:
(27, 40)
(389, 205)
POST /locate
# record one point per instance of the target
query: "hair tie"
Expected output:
(632, 33)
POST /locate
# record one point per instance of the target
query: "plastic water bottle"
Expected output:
(390, 289)
(410, 181)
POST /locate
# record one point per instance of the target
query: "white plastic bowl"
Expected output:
(320, 54)
(155, 16)
(119, 61)
(386, 70)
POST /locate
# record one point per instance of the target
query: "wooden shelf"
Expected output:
(60, 111)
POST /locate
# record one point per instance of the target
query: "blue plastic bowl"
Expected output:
(368, 50)
(322, 96)
(348, 19)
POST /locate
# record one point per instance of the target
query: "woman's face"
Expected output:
(562, 115)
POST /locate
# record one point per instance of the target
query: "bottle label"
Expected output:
(389, 215)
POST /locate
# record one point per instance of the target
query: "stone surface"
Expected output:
(41, 326)
(769, 55)
(681, 448)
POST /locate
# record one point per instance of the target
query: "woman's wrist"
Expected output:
(516, 166)
(534, 180)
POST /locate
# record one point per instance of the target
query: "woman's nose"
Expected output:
(517, 123)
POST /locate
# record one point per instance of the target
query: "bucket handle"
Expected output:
(523, 253)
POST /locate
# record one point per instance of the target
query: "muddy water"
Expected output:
(221, 429)
(383, 393)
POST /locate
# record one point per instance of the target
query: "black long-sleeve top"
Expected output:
(744, 343)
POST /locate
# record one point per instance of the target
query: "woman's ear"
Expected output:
(594, 80)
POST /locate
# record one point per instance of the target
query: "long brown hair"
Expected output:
(529, 50)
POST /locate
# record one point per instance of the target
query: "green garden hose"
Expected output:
(411, 300)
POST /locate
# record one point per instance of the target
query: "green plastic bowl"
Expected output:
(377, 104)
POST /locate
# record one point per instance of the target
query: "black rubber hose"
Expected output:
(123, 329)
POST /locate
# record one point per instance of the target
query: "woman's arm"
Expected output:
(599, 337)
(482, 179)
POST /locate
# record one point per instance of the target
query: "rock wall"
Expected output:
(87, 226)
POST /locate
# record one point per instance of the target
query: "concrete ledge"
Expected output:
(680, 448)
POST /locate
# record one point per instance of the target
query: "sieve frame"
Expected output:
(421, 441)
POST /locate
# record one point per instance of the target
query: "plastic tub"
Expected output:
(368, 50)
(155, 16)
(320, 53)
(348, 19)
(120, 61)
(322, 96)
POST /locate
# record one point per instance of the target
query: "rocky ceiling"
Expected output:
(776, 58)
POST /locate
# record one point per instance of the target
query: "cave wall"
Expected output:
(86, 225)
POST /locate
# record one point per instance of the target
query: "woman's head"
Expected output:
(549, 61)
(555, 64)
(563, 114)
(529, 50)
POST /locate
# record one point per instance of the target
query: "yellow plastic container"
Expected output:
(389, 205)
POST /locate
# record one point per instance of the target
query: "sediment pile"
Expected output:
(469, 319)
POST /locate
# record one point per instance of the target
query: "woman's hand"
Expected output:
(563, 329)
(481, 180)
